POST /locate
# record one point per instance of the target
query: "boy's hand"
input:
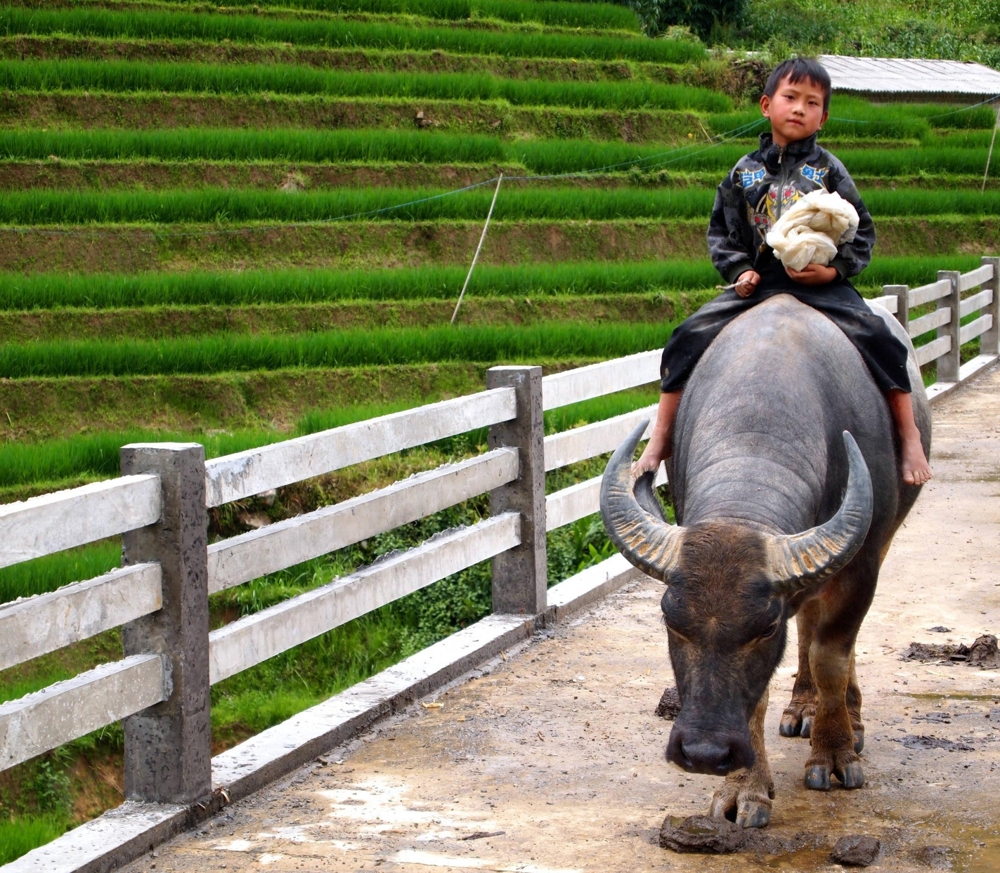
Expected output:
(813, 274)
(747, 283)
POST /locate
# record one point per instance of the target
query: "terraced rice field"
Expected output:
(237, 225)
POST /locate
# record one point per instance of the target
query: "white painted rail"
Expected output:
(586, 383)
(255, 638)
(975, 302)
(66, 519)
(68, 710)
(928, 293)
(47, 622)
(580, 500)
(933, 350)
(975, 278)
(951, 334)
(583, 443)
(245, 474)
(975, 328)
(287, 543)
(932, 320)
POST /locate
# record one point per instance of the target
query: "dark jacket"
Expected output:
(760, 187)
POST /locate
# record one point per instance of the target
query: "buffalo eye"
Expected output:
(771, 631)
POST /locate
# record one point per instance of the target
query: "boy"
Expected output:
(788, 165)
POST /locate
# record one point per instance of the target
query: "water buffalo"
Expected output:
(787, 490)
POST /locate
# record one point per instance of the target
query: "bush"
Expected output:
(657, 15)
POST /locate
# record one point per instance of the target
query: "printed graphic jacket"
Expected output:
(760, 187)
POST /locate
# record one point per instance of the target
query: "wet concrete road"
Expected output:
(551, 759)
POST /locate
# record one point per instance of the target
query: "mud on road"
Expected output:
(552, 759)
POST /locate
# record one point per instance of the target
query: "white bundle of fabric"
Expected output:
(812, 228)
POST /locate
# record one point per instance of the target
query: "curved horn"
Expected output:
(809, 558)
(650, 543)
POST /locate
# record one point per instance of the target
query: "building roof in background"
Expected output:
(911, 78)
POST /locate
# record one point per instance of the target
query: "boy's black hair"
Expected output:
(797, 69)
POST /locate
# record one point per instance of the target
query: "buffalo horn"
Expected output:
(810, 558)
(646, 541)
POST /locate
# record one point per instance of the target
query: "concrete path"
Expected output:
(551, 759)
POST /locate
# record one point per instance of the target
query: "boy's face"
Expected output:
(795, 111)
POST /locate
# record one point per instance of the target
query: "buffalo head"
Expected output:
(731, 588)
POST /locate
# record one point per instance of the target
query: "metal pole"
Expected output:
(989, 154)
(475, 257)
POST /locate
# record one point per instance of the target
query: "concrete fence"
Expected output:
(160, 688)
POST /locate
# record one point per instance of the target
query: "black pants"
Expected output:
(884, 354)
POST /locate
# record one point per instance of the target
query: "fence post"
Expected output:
(519, 575)
(989, 342)
(168, 747)
(948, 363)
(902, 295)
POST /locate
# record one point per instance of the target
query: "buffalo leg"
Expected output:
(854, 707)
(745, 796)
(797, 719)
(837, 730)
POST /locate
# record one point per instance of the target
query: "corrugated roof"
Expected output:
(910, 76)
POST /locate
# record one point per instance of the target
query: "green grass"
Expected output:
(123, 76)
(42, 575)
(103, 291)
(962, 153)
(226, 205)
(555, 14)
(19, 836)
(331, 146)
(334, 33)
(587, 155)
(229, 353)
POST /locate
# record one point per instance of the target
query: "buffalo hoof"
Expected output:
(859, 741)
(752, 814)
(747, 807)
(818, 777)
(851, 775)
(796, 722)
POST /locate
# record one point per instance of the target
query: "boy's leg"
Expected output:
(695, 334)
(661, 436)
(916, 470)
(886, 358)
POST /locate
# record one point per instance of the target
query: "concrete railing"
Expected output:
(160, 688)
(956, 296)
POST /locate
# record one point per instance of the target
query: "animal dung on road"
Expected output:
(983, 653)
(669, 706)
(856, 850)
(702, 834)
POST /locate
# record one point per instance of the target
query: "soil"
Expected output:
(551, 758)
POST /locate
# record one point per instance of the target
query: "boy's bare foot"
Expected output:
(916, 470)
(657, 449)
(660, 437)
